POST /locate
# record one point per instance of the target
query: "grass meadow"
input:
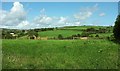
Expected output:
(91, 53)
(57, 54)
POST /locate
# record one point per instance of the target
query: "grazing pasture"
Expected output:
(39, 54)
(55, 33)
(89, 52)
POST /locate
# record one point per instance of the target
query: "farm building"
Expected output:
(14, 35)
(84, 38)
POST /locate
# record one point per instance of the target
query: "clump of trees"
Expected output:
(94, 31)
(85, 34)
(60, 36)
(43, 29)
(91, 30)
(6, 34)
(32, 34)
(116, 29)
(97, 35)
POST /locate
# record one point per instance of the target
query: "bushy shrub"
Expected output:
(60, 36)
(116, 29)
(85, 34)
(97, 35)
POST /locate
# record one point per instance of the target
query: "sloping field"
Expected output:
(55, 33)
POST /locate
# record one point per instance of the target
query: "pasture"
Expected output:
(91, 53)
(57, 54)
(55, 33)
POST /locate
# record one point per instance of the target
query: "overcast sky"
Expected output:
(25, 15)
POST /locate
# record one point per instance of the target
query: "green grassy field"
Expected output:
(55, 33)
(72, 30)
(92, 53)
(40, 54)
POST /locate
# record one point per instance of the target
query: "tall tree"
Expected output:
(60, 36)
(32, 32)
(116, 29)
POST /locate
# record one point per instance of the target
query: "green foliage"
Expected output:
(9, 36)
(85, 34)
(78, 35)
(60, 36)
(116, 29)
(91, 30)
(32, 32)
(102, 30)
(97, 35)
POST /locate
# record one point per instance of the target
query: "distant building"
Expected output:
(14, 35)
(84, 38)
